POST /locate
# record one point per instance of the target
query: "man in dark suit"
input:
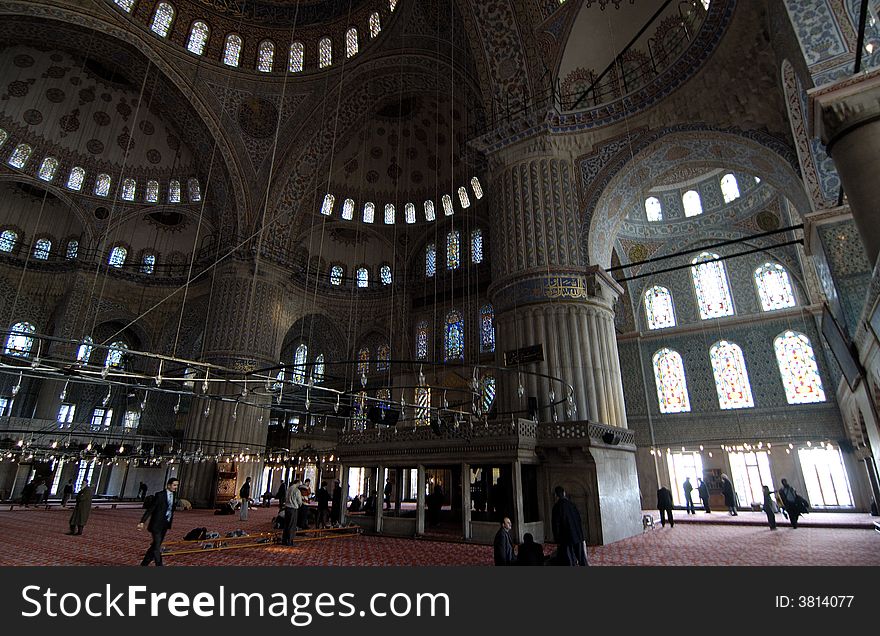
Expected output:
(664, 505)
(160, 514)
(502, 545)
(568, 531)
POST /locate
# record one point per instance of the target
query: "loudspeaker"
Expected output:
(611, 438)
(533, 408)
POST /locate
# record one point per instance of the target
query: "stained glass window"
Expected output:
(774, 287)
(297, 55)
(336, 274)
(20, 340)
(152, 192)
(383, 357)
(232, 50)
(692, 204)
(148, 264)
(423, 405)
(487, 329)
(385, 274)
(672, 393)
(125, 5)
(20, 156)
(102, 185)
(8, 239)
(477, 246)
(429, 211)
(659, 312)
(48, 168)
(422, 340)
(454, 343)
(375, 24)
(162, 19)
(487, 392)
(447, 205)
(389, 214)
(325, 52)
(430, 260)
(476, 187)
(798, 368)
(710, 284)
(72, 249)
(731, 376)
(299, 363)
(318, 369)
(117, 256)
(409, 211)
(327, 206)
(453, 249)
(363, 361)
(363, 277)
(3, 137)
(198, 37)
(653, 209)
(75, 179)
(369, 212)
(116, 355)
(85, 350)
(265, 56)
(42, 248)
(174, 191)
(351, 42)
(392, 4)
(348, 209)
(195, 193)
(128, 189)
(463, 198)
(729, 188)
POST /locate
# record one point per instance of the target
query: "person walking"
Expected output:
(791, 503)
(142, 491)
(703, 489)
(729, 494)
(664, 505)
(81, 510)
(292, 502)
(161, 516)
(568, 530)
(67, 493)
(770, 507)
(688, 497)
(502, 545)
(245, 494)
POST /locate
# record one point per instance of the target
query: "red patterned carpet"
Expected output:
(36, 537)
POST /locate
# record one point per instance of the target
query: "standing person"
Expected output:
(703, 489)
(568, 531)
(281, 495)
(664, 505)
(305, 489)
(142, 491)
(434, 504)
(161, 515)
(502, 545)
(770, 507)
(530, 553)
(387, 493)
(729, 494)
(688, 498)
(323, 498)
(27, 493)
(67, 493)
(81, 510)
(336, 503)
(790, 498)
(292, 502)
(41, 493)
(245, 494)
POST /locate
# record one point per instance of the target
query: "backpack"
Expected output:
(196, 534)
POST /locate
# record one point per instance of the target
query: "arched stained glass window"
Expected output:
(731, 376)
(148, 263)
(195, 193)
(351, 42)
(152, 192)
(375, 24)
(125, 5)
(325, 52)
(692, 204)
(3, 137)
(390, 214)
(117, 256)
(20, 156)
(477, 188)
(798, 368)
(174, 191)
(409, 211)
(477, 246)
(20, 340)
(487, 392)
(198, 37)
(385, 274)
(659, 311)
(8, 239)
(729, 188)
(487, 329)
(42, 248)
(162, 19)
(454, 341)
(75, 178)
(453, 249)
(430, 215)
(422, 340)
(318, 369)
(48, 168)
(423, 406)
(464, 198)
(327, 206)
(336, 275)
(102, 185)
(85, 350)
(672, 393)
(430, 260)
(383, 357)
(774, 287)
(300, 357)
(72, 249)
(363, 361)
(653, 209)
(710, 284)
(363, 277)
(116, 355)
(266, 56)
(129, 186)
(296, 59)
(447, 205)
(369, 212)
(232, 50)
(348, 209)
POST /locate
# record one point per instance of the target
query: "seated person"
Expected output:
(370, 504)
(356, 504)
(267, 498)
(530, 553)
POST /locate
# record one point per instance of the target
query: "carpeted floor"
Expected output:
(36, 537)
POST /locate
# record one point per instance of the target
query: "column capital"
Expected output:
(838, 108)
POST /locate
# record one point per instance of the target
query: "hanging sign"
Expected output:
(524, 356)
